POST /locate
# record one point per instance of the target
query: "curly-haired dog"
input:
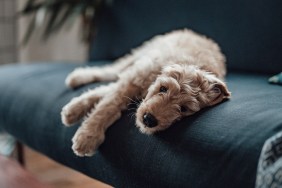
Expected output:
(175, 74)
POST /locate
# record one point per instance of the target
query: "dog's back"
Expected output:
(185, 46)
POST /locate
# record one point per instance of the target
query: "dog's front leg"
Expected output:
(84, 75)
(91, 134)
(79, 106)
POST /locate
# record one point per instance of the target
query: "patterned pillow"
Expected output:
(269, 172)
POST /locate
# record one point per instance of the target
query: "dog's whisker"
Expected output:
(138, 105)
(139, 99)
(133, 102)
(130, 109)
(131, 115)
(133, 108)
(129, 98)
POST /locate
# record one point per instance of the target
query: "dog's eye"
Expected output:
(163, 89)
(183, 109)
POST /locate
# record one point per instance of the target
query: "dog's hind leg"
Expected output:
(84, 75)
(79, 106)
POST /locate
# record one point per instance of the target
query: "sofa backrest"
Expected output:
(248, 31)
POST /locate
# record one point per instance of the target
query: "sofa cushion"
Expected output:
(217, 147)
(249, 32)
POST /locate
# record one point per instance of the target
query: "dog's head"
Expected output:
(179, 91)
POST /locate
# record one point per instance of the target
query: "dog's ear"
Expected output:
(217, 92)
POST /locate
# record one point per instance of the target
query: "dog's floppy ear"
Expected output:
(218, 92)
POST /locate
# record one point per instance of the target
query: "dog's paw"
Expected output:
(75, 78)
(81, 76)
(72, 112)
(86, 142)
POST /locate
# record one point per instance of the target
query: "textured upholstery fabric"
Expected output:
(217, 147)
(270, 163)
(249, 32)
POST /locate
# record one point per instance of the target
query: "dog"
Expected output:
(175, 74)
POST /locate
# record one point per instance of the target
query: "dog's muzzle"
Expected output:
(149, 120)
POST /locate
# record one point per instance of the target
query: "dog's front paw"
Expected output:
(86, 142)
(72, 112)
(81, 76)
(75, 78)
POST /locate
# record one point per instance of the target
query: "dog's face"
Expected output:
(179, 91)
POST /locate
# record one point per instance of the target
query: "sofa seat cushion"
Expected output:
(217, 147)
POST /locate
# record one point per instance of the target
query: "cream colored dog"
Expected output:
(175, 74)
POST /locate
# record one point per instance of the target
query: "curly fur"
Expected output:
(190, 66)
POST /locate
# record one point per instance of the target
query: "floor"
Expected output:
(56, 175)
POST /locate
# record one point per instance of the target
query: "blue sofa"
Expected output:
(217, 147)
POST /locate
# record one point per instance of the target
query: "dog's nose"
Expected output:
(149, 120)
